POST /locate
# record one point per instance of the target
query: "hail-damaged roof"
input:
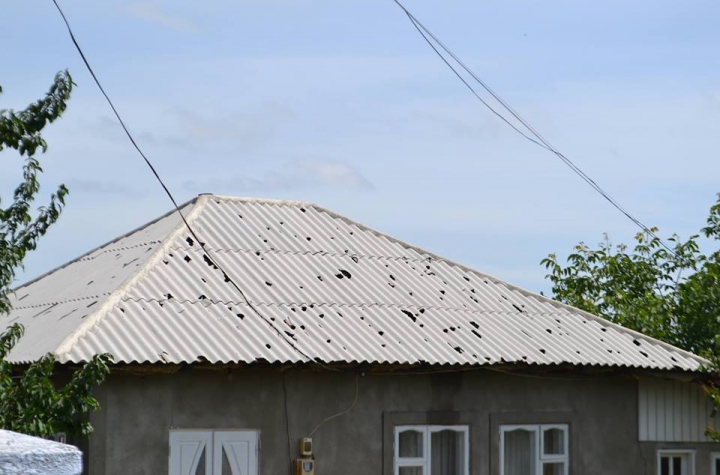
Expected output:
(338, 291)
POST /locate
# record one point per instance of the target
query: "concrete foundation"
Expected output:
(132, 428)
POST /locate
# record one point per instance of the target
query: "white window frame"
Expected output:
(539, 431)
(425, 462)
(690, 454)
(713, 457)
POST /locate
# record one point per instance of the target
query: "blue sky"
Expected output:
(342, 104)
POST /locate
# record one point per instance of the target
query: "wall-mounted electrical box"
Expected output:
(304, 466)
(306, 447)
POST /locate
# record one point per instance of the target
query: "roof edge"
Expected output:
(63, 350)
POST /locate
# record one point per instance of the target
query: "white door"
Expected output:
(235, 453)
(213, 452)
(190, 452)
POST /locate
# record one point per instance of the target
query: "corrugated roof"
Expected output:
(339, 291)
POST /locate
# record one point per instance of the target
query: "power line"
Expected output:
(538, 139)
(169, 194)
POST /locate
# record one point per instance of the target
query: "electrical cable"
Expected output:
(341, 413)
(287, 421)
(169, 194)
(539, 140)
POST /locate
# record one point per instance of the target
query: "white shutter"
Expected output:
(235, 453)
(186, 452)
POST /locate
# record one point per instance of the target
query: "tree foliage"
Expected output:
(31, 399)
(672, 296)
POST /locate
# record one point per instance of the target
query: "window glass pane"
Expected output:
(677, 463)
(717, 467)
(554, 442)
(448, 453)
(554, 468)
(200, 470)
(664, 466)
(411, 471)
(226, 469)
(410, 444)
(520, 452)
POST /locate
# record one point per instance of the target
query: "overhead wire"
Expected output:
(206, 253)
(538, 139)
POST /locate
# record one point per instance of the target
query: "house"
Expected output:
(392, 360)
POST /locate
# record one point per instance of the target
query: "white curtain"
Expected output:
(448, 453)
(520, 453)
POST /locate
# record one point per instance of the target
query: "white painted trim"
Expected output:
(690, 454)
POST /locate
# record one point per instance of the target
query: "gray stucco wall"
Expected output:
(131, 430)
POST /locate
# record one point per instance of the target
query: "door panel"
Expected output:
(235, 453)
(189, 452)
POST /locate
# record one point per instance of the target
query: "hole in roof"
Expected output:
(209, 261)
(267, 345)
(355, 259)
(381, 333)
(302, 209)
(391, 285)
(517, 308)
(542, 351)
(202, 297)
(476, 334)
(187, 258)
(169, 296)
(459, 350)
(548, 330)
(322, 315)
(344, 273)
(269, 284)
(240, 316)
(329, 341)
(392, 277)
(320, 278)
(636, 342)
(409, 315)
(442, 292)
(190, 241)
(644, 354)
(464, 277)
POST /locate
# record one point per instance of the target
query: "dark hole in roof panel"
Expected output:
(409, 315)
(190, 241)
(187, 258)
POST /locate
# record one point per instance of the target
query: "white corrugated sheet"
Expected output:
(674, 411)
(335, 290)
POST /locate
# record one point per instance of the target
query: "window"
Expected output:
(676, 462)
(432, 450)
(715, 463)
(195, 452)
(534, 450)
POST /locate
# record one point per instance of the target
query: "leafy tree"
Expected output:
(672, 296)
(31, 400)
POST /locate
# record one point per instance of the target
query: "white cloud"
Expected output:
(312, 173)
(151, 13)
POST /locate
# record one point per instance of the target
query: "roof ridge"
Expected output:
(97, 248)
(66, 346)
